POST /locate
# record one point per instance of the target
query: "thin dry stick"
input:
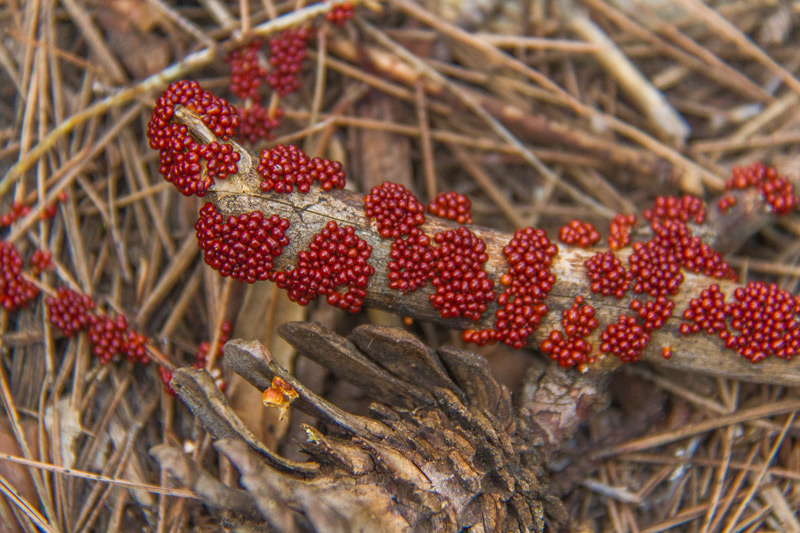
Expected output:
(309, 213)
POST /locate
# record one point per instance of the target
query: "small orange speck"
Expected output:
(666, 352)
(408, 321)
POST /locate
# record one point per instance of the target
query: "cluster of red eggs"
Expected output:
(247, 73)
(243, 247)
(451, 206)
(619, 231)
(69, 311)
(411, 262)
(685, 208)
(571, 348)
(340, 14)
(760, 322)
(395, 210)
(40, 261)
(607, 274)
(15, 290)
(578, 233)
(777, 191)
(282, 168)
(19, 210)
(286, 54)
(462, 287)
(179, 153)
(336, 259)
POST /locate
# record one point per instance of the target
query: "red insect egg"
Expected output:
(451, 206)
(395, 210)
(666, 352)
(578, 233)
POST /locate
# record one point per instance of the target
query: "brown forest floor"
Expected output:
(684, 89)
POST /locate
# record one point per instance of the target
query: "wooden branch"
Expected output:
(309, 213)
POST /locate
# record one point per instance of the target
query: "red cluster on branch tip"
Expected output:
(462, 287)
(51, 209)
(287, 52)
(761, 321)
(653, 313)
(619, 232)
(18, 210)
(40, 261)
(685, 209)
(412, 262)
(255, 122)
(452, 206)
(527, 282)
(625, 338)
(340, 13)
(725, 203)
(107, 336)
(578, 233)
(179, 153)
(247, 73)
(776, 190)
(395, 210)
(15, 290)
(607, 274)
(571, 348)
(243, 247)
(69, 311)
(221, 159)
(336, 257)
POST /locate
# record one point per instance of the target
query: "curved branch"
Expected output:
(309, 213)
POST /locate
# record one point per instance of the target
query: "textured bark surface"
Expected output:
(309, 213)
(443, 450)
